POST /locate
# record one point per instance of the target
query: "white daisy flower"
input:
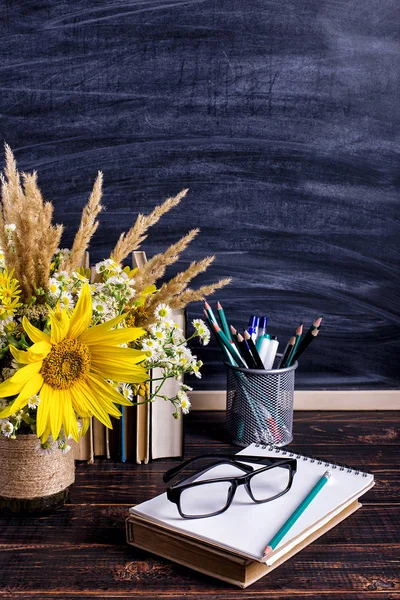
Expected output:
(126, 390)
(66, 300)
(54, 288)
(33, 401)
(63, 445)
(177, 337)
(196, 368)
(202, 331)
(108, 265)
(7, 428)
(162, 312)
(184, 401)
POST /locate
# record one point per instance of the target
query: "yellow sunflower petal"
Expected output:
(59, 324)
(95, 407)
(56, 412)
(42, 416)
(78, 403)
(120, 371)
(45, 434)
(20, 356)
(107, 391)
(8, 388)
(104, 353)
(34, 333)
(85, 426)
(30, 388)
(24, 374)
(82, 313)
(36, 352)
(114, 337)
(90, 335)
(70, 423)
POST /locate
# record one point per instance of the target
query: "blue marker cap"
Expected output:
(254, 321)
(263, 323)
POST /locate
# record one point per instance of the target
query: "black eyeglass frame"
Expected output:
(175, 490)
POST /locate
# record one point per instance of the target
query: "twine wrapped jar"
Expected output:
(31, 481)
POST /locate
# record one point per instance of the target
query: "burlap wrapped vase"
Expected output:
(30, 480)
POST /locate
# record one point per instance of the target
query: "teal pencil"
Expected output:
(210, 312)
(224, 322)
(229, 345)
(296, 514)
(299, 332)
(228, 355)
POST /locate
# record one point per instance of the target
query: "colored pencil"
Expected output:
(308, 338)
(245, 351)
(272, 544)
(299, 332)
(210, 313)
(223, 320)
(229, 345)
(228, 355)
(253, 350)
(286, 354)
(305, 345)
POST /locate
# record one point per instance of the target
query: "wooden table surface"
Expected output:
(80, 551)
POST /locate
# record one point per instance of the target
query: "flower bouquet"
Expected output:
(77, 343)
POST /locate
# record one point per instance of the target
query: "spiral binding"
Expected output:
(333, 466)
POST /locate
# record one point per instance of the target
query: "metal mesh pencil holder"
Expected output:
(260, 405)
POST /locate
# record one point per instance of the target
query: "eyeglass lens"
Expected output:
(209, 498)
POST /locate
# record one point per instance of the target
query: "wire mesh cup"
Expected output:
(260, 405)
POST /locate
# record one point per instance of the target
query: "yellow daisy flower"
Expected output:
(69, 369)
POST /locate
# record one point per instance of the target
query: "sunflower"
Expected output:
(69, 369)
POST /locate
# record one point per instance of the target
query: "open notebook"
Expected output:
(245, 528)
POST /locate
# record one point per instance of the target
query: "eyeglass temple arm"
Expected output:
(168, 475)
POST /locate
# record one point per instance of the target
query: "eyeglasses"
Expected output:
(197, 496)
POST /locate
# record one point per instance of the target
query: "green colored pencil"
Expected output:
(296, 514)
(229, 345)
(228, 355)
(210, 313)
(224, 322)
(299, 331)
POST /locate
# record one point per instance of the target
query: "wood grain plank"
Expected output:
(101, 566)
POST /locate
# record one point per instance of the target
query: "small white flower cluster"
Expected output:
(109, 297)
(166, 347)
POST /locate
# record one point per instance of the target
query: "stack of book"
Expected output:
(145, 431)
(230, 546)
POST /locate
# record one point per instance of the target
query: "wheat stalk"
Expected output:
(87, 227)
(155, 268)
(131, 240)
(189, 295)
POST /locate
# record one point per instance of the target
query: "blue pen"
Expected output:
(253, 327)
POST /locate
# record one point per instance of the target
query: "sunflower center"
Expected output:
(67, 363)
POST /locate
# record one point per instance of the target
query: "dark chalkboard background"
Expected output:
(281, 116)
